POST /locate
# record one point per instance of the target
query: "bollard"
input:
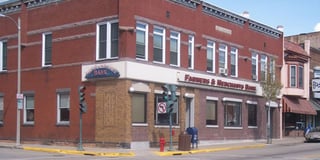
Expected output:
(162, 143)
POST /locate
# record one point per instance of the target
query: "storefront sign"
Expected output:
(315, 85)
(219, 83)
(102, 72)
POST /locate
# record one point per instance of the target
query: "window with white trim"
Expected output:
(175, 48)
(63, 108)
(46, 49)
(232, 114)
(301, 77)
(107, 40)
(252, 114)
(191, 52)
(272, 69)
(263, 68)
(3, 55)
(254, 66)
(142, 41)
(211, 112)
(223, 56)
(293, 76)
(163, 118)
(234, 62)
(159, 44)
(139, 108)
(1, 110)
(29, 109)
(211, 56)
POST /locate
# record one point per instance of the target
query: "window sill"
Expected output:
(139, 124)
(67, 124)
(253, 127)
(165, 126)
(212, 126)
(233, 127)
(28, 124)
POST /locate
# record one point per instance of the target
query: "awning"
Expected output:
(298, 105)
(315, 104)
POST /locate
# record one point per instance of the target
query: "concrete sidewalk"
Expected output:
(213, 146)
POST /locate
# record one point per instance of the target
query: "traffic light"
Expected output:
(172, 100)
(82, 103)
(165, 93)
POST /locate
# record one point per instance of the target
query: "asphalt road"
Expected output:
(297, 151)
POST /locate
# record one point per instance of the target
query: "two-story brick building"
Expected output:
(123, 53)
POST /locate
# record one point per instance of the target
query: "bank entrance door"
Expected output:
(189, 112)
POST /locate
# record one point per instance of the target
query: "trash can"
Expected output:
(193, 131)
(184, 142)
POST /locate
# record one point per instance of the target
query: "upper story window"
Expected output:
(159, 45)
(234, 62)
(223, 56)
(46, 49)
(272, 69)
(293, 75)
(29, 109)
(191, 52)
(107, 40)
(3, 55)
(142, 41)
(301, 75)
(1, 109)
(175, 48)
(263, 68)
(254, 66)
(210, 56)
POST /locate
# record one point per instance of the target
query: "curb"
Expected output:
(90, 153)
(175, 153)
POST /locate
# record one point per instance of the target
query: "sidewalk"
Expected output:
(213, 146)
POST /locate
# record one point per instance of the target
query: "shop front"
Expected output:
(298, 115)
(130, 110)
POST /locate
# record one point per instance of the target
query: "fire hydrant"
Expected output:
(162, 143)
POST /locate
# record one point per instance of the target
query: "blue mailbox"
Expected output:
(194, 135)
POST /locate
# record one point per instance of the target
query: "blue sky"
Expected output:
(296, 16)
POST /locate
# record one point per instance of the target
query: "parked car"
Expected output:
(312, 134)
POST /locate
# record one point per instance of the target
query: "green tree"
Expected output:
(271, 89)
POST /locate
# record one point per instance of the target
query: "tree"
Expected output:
(271, 89)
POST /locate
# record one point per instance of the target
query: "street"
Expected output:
(297, 151)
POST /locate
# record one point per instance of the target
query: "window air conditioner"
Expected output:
(223, 71)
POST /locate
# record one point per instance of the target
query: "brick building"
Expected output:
(123, 53)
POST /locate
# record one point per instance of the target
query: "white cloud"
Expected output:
(317, 27)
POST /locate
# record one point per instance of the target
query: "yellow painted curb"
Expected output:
(173, 153)
(106, 154)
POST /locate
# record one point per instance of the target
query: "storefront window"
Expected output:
(139, 108)
(232, 114)
(211, 113)
(252, 114)
(161, 117)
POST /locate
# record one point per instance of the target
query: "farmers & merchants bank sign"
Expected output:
(216, 82)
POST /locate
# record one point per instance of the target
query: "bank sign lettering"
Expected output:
(316, 85)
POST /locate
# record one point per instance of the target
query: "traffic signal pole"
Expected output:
(82, 109)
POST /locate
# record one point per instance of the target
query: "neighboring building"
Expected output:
(123, 53)
(297, 109)
(314, 49)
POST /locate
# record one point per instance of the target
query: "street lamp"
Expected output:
(19, 97)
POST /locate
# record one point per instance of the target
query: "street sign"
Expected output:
(19, 96)
(162, 107)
